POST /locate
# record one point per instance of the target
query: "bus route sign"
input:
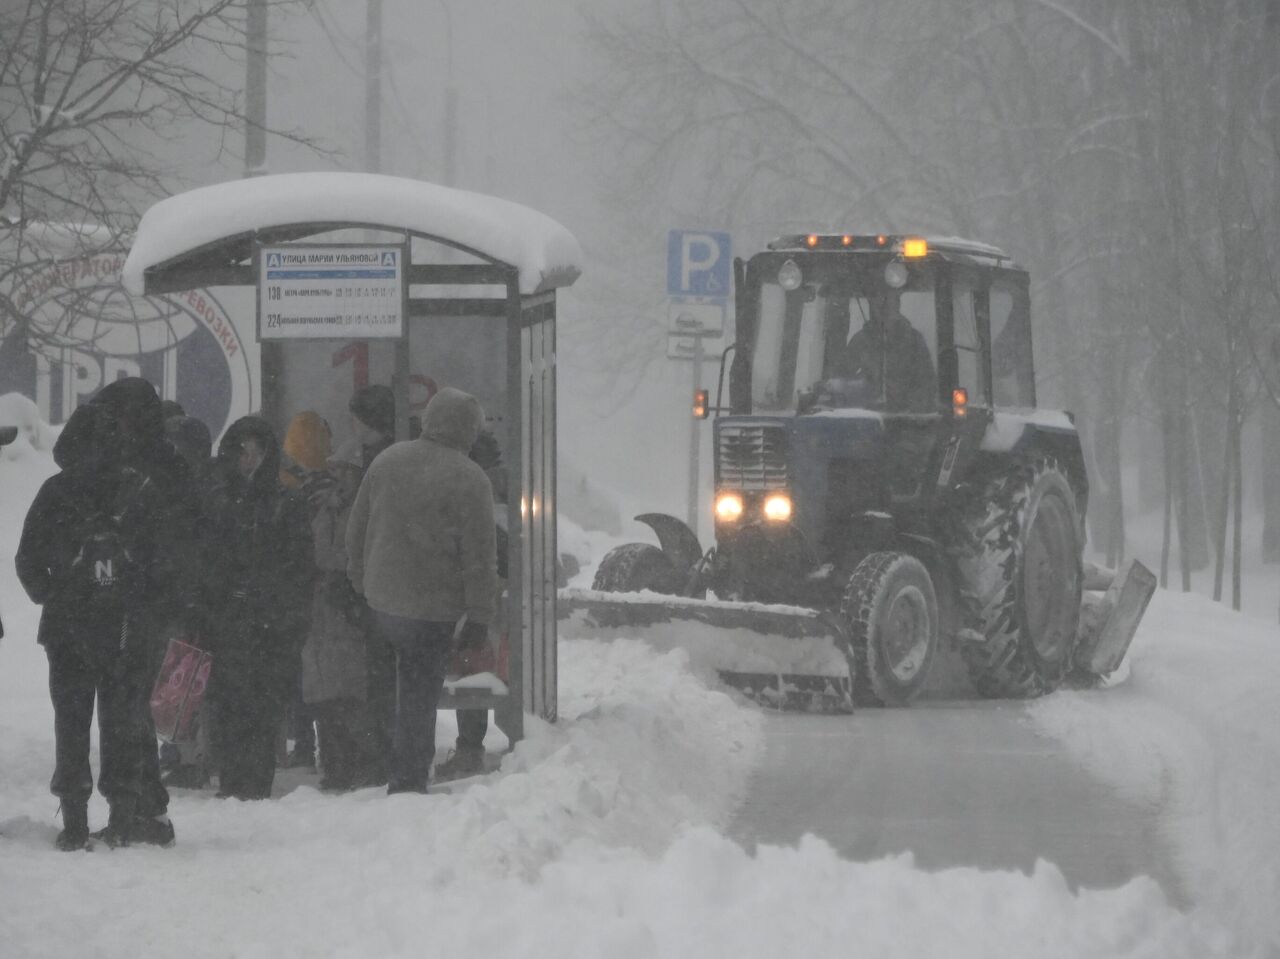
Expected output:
(331, 291)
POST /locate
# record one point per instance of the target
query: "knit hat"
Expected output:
(306, 444)
(375, 407)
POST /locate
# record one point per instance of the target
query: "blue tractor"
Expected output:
(885, 485)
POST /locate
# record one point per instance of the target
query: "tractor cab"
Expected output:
(888, 324)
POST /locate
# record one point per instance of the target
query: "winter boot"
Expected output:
(119, 827)
(458, 764)
(75, 826)
(152, 830)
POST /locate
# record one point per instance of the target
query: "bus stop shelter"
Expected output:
(364, 278)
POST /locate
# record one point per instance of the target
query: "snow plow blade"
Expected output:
(1108, 622)
(784, 657)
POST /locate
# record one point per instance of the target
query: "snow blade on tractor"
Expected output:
(786, 657)
(1114, 604)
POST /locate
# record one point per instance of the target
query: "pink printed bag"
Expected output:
(179, 691)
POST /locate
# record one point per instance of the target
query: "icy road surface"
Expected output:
(959, 783)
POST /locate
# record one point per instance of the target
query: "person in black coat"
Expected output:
(373, 421)
(104, 550)
(261, 558)
(188, 765)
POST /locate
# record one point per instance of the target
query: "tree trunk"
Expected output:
(1166, 431)
(1270, 422)
(1237, 482)
(1229, 456)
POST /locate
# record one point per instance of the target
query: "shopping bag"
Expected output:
(179, 690)
(467, 661)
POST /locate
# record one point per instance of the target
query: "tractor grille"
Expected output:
(752, 457)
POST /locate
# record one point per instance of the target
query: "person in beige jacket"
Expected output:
(421, 549)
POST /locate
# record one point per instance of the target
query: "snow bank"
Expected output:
(33, 432)
(1196, 730)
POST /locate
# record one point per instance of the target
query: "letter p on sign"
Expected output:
(698, 264)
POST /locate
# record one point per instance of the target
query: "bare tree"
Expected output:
(95, 98)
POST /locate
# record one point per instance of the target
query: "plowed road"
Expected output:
(957, 783)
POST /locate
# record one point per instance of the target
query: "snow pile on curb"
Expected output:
(642, 751)
(33, 432)
(1196, 729)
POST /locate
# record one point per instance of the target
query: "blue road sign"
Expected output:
(698, 264)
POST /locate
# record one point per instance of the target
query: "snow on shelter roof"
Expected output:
(229, 214)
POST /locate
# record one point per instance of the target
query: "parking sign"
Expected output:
(698, 264)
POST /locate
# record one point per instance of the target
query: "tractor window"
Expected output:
(1011, 365)
(836, 342)
(789, 346)
(968, 343)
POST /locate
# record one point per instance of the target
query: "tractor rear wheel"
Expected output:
(633, 567)
(891, 611)
(1019, 566)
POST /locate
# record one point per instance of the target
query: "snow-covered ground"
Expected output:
(602, 834)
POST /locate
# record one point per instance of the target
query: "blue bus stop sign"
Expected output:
(698, 264)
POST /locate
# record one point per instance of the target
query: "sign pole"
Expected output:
(699, 275)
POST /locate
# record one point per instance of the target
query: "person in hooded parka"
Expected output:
(422, 550)
(106, 549)
(261, 560)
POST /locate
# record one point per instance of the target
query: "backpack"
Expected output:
(110, 563)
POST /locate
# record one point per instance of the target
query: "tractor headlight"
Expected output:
(895, 274)
(728, 507)
(777, 508)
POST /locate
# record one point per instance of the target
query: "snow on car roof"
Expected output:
(546, 254)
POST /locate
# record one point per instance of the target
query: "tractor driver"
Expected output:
(892, 357)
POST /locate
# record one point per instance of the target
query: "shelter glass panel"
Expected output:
(537, 514)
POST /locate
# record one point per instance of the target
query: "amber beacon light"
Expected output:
(700, 404)
(959, 401)
(914, 246)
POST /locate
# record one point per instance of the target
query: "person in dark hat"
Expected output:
(373, 417)
(373, 420)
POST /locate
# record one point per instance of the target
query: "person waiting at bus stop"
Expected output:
(373, 422)
(422, 549)
(261, 552)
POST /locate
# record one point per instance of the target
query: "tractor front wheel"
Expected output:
(891, 612)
